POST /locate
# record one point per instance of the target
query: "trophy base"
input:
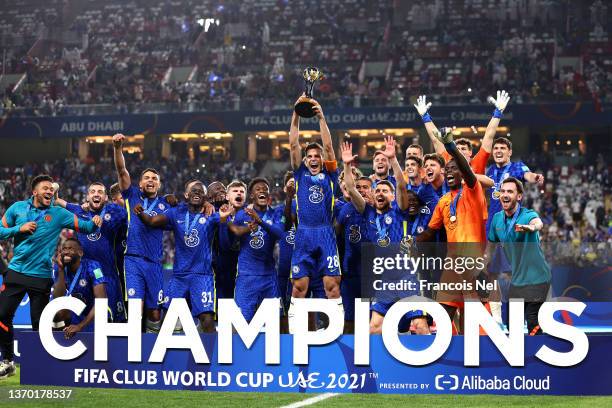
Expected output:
(304, 109)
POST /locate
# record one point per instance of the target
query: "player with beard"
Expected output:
(284, 216)
(34, 225)
(460, 213)
(386, 224)
(101, 245)
(519, 227)
(258, 234)
(81, 278)
(227, 259)
(193, 276)
(504, 168)
(143, 269)
(380, 166)
(352, 225)
(316, 184)
(434, 173)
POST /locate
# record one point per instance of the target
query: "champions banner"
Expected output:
(331, 368)
(555, 114)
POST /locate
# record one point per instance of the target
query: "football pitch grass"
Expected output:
(97, 398)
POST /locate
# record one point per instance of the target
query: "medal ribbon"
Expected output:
(74, 280)
(453, 206)
(380, 231)
(148, 208)
(499, 180)
(189, 227)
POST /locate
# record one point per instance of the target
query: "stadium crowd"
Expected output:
(249, 54)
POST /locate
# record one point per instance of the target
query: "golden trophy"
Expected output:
(304, 105)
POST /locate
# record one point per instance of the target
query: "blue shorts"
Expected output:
(315, 253)
(144, 280)
(198, 288)
(251, 290)
(350, 289)
(404, 324)
(115, 297)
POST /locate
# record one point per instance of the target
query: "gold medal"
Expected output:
(453, 218)
(496, 194)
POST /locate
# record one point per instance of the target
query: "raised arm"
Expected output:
(401, 193)
(348, 157)
(156, 221)
(500, 104)
(287, 211)
(328, 147)
(294, 141)
(422, 107)
(534, 225)
(122, 174)
(446, 138)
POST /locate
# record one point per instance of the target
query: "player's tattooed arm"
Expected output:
(422, 107)
(348, 158)
(156, 221)
(401, 191)
(500, 104)
(294, 141)
(445, 135)
(123, 176)
(328, 147)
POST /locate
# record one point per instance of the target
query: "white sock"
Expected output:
(291, 316)
(340, 305)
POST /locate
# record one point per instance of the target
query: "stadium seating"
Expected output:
(249, 54)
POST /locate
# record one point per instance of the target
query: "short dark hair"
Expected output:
(193, 180)
(386, 183)
(115, 190)
(464, 141)
(414, 193)
(215, 182)
(288, 176)
(236, 183)
(416, 146)
(378, 153)
(313, 145)
(504, 141)
(149, 169)
(257, 180)
(435, 157)
(96, 183)
(39, 179)
(518, 183)
(416, 159)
